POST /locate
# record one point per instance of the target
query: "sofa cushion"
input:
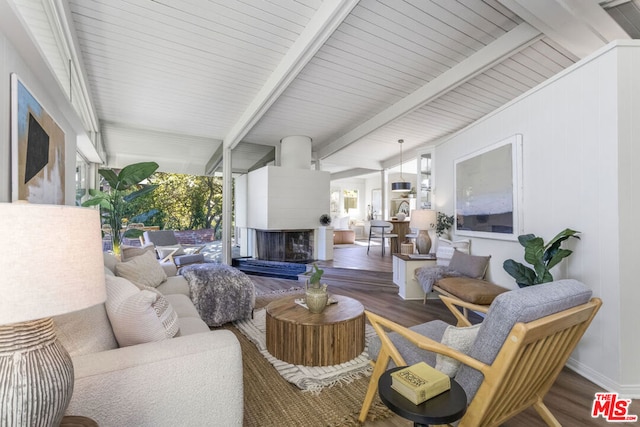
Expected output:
(182, 306)
(174, 285)
(469, 265)
(459, 338)
(191, 325)
(138, 316)
(86, 331)
(143, 270)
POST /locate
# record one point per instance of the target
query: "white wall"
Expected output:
(353, 184)
(286, 199)
(18, 54)
(577, 132)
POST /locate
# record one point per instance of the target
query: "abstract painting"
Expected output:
(37, 150)
(488, 191)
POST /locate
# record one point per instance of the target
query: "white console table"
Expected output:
(404, 269)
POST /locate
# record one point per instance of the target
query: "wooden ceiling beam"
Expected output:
(323, 23)
(580, 26)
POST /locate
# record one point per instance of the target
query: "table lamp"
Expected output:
(51, 263)
(423, 220)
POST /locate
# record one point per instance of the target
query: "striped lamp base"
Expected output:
(36, 375)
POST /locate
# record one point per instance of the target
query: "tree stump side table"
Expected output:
(297, 336)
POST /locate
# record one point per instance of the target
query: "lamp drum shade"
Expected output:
(401, 186)
(51, 261)
(423, 219)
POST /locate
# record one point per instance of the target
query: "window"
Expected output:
(350, 200)
(335, 201)
(82, 168)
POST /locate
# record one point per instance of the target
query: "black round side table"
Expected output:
(444, 408)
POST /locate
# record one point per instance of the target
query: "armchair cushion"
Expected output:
(138, 316)
(475, 291)
(183, 260)
(143, 270)
(459, 338)
(469, 265)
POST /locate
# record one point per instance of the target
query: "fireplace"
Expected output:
(285, 245)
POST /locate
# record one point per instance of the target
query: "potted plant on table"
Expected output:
(316, 295)
(124, 187)
(542, 257)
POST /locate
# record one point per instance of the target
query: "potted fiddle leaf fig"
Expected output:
(543, 257)
(124, 187)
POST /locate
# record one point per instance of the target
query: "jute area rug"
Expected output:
(270, 400)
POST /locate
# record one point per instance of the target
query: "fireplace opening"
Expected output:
(285, 245)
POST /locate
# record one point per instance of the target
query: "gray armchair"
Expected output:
(169, 249)
(512, 361)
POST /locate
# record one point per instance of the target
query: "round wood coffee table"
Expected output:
(297, 336)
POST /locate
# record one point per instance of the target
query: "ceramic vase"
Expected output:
(317, 298)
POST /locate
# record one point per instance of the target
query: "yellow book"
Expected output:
(419, 382)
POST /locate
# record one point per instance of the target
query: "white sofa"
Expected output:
(194, 378)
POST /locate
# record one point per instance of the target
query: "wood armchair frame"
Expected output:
(524, 370)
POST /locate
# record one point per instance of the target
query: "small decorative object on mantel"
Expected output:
(316, 294)
(542, 257)
(325, 220)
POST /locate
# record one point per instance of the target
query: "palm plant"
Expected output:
(542, 257)
(124, 187)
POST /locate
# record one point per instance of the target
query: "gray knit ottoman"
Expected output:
(221, 293)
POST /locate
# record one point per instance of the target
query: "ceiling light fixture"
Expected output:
(402, 186)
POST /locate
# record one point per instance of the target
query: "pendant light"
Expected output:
(402, 186)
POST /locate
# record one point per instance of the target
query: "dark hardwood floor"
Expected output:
(368, 279)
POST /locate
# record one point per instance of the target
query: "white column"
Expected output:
(295, 152)
(226, 205)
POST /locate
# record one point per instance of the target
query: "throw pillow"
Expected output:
(469, 265)
(458, 338)
(130, 252)
(143, 270)
(138, 316)
(446, 248)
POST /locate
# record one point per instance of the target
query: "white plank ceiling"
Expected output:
(175, 81)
